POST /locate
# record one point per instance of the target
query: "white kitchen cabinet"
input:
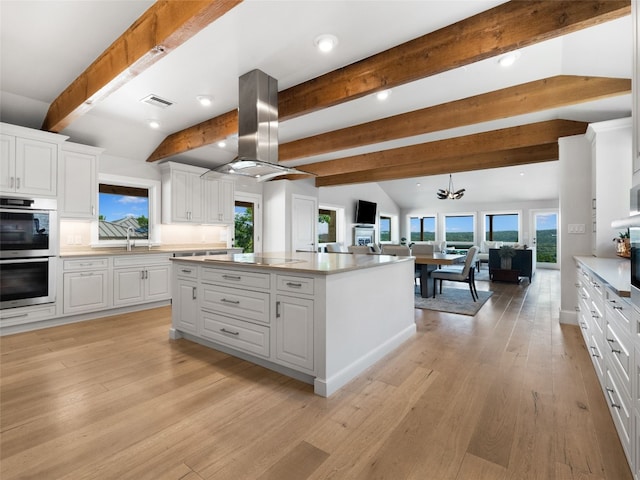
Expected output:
(85, 285)
(294, 332)
(182, 194)
(78, 180)
(140, 279)
(185, 309)
(219, 200)
(28, 166)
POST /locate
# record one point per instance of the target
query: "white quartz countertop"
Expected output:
(307, 262)
(105, 251)
(614, 272)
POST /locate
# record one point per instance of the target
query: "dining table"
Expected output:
(429, 263)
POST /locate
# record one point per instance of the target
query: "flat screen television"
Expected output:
(365, 212)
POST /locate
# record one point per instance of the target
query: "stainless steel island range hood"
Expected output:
(257, 130)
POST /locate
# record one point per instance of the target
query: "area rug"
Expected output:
(453, 300)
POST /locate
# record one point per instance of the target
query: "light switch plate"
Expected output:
(576, 228)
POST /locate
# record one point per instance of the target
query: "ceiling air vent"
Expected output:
(156, 101)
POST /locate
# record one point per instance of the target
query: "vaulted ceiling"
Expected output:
(452, 108)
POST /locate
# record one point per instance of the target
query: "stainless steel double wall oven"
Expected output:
(28, 249)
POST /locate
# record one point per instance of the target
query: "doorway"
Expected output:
(545, 237)
(248, 222)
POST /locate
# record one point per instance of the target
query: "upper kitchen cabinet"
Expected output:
(219, 200)
(188, 197)
(78, 180)
(182, 193)
(28, 161)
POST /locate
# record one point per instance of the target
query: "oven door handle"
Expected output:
(24, 260)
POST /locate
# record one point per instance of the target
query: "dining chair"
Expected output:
(359, 249)
(422, 249)
(334, 248)
(397, 250)
(466, 275)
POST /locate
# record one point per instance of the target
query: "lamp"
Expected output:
(450, 193)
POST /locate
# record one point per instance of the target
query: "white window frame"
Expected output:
(153, 186)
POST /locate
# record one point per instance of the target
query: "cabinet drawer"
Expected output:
(618, 311)
(19, 316)
(596, 312)
(184, 271)
(89, 263)
(597, 357)
(246, 304)
(287, 283)
(618, 350)
(236, 278)
(620, 407)
(236, 334)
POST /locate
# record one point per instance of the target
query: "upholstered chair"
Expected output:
(359, 249)
(465, 275)
(397, 250)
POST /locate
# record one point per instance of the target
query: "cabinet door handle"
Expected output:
(11, 182)
(278, 309)
(610, 392)
(17, 182)
(194, 293)
(146, 274)
(141, 274)
(232, 277)
(294, 285)
(233, 302)
(224, 330)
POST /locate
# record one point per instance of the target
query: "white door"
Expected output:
(544, 225)
(304, 219)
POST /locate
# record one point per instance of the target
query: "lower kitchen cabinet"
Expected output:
(294, 331)
(85, 285)
(185, 310)
(141, 278)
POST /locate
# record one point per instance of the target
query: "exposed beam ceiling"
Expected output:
(530, 97)
(437, 157)
(507, 27)
(163, 27)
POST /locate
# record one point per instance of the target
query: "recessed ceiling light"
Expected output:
(508, 59)
(326, 42)
(153, 123)
(522, 174)
(383, 95)
(205, 100)
(222, 144)
(417, 184)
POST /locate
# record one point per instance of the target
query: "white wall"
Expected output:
(575, 208)
(346, 196)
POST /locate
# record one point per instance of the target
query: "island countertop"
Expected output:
(306, 262)
(614, 272)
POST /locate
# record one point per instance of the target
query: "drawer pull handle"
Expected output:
(610, 392)
(615, 307)
(224, 330)
(184, 270)
(294, 285)
(583, 326)
(578, 285)
(86, 274)
(595, 352)
(232, 277)
(16, 316)
(226, 300)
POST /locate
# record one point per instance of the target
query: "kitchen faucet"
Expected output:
(129, 241)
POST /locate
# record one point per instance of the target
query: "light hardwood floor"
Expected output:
(508, 394)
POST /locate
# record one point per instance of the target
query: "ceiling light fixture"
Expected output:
(508, 59)
(155, 124)
(325, 43)
(383, 95)
(450, 193)
(205, 100)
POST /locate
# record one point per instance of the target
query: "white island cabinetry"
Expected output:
(302, 316)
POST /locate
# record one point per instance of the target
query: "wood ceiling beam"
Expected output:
(452, 150)
(166, 25)
(529, 97)
(504, 158)
(510, 26)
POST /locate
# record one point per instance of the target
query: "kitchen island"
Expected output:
(322, 318)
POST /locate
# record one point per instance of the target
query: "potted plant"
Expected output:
(506, 253)
(623, 244)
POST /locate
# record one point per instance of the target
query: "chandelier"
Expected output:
(449, 193)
